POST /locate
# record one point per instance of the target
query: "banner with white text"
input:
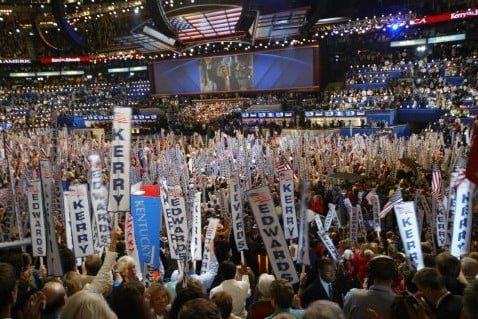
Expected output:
(236, 213)
(119, 190)
(461, 237)
(407, 224)
(267, 221)
(80, 220)
(99, 202)
(286, 185)
(37, 221)
(146, 213)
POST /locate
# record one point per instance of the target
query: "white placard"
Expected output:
(286, 184)
(37, 222)
(407, 224)
(80, 220)
(236, 213)
(119, 191)
(460, 243)
(267, 221)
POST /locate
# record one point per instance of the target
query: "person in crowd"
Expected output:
(282, 295)
(324, 287)
(87, 305)
(128, 301)
(92, 265)
(126, 268)
(56, 297)
(469, 268)
(262, 306)
(206, 278)
(470, 301)
(379, 296)
(449, 268)
(224, 302)
(8, 290)
(190, 292)
(160, 300)
(431, 285)
(238, 289)
(199, 308)
(323, 309)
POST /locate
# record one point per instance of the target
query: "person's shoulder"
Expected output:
(356, 293)
(296, 312)
(453, 299)
(215, 289)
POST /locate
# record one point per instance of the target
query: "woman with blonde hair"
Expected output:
(126, 267)
(159, 300)
(87, 305)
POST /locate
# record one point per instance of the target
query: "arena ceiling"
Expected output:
(196, 22)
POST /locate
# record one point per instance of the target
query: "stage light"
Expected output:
(395, 27)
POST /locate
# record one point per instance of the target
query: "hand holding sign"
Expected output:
(115, 233)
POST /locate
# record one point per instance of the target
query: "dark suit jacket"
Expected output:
(450, 307)
(316, 291)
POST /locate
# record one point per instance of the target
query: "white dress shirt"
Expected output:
(239, 291)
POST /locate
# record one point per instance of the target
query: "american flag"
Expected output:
(121, 117)
(260, 197)
(282, 164)
(436, 182)
(9, 150)
(394, 200)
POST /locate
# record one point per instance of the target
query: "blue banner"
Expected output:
(147, 226)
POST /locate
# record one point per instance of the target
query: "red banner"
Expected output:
(458, 15)
(65, 59)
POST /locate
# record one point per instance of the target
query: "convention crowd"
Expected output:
(196, 145)
(371, 279)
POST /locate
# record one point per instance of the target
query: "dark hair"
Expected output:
(324, 262)
(429, 260)
(381, 268)
(191, 282)
(182, 297)
(227, 269)
(127, 301)
(221, 249)
(68, 259)
(199, 308)
(92, 264)
(282, 293)
(408, 280)
(223, 300)
(448, 265)
(429, 278)
(8, 283)
(16, 261)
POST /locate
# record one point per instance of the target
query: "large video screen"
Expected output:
(267, 70)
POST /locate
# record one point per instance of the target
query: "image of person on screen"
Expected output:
(208, 75)
(225, 79)
(227, 73)
(242, 73)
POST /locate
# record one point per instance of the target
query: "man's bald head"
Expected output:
(55, 297)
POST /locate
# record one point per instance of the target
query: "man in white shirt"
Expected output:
(238, 289)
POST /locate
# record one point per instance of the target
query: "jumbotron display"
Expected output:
(262, 71)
